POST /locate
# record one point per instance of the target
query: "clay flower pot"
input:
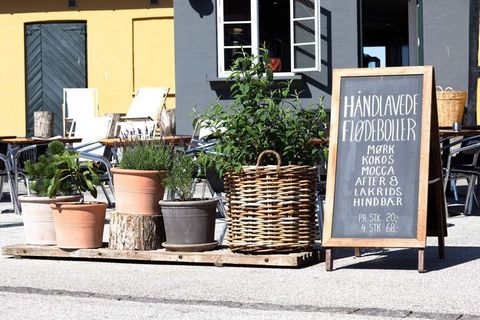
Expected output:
(138, 191)
(189, 225)
(38, 219)
(79, 225)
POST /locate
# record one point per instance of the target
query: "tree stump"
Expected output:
(43, 124)
(135, 232)
(167, 122)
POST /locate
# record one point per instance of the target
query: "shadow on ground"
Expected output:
(406, 259)
(11, 225)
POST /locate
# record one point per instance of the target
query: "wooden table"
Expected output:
(7, 137)
(466, 131)
(117, 142)
(460, 133)
(30, 141)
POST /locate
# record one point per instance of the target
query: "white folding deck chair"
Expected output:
(78, 103)
(91, 131)
(144, 113)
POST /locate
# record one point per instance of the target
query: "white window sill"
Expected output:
(284, 76)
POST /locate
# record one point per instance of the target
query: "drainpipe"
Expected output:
(420, 32)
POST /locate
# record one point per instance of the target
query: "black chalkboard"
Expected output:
(384, 174)
(378, 156)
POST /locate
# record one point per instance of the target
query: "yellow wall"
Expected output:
(153, 62)
(111, 61)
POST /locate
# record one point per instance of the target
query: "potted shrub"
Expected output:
(189, 222)
(271, 205)
(77, 224)
(36, 212)
(139, 177)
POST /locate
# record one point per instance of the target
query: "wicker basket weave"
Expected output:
(271, 208)
(450, 106)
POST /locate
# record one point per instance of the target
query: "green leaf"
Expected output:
(263, 115)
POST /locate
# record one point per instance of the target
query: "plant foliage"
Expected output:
(68, 168)
(59, 172)
(41, 172)
(263, 115)
(180, 176)
(146, 155)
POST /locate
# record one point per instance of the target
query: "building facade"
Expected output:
(310, 38)
(115, 46)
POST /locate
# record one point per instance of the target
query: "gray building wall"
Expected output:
(195, 58)
(445, 24)
(196, 55)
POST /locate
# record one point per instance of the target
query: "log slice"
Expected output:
(135, 232)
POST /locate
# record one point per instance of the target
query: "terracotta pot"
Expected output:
(38, 219)
(79, 225)
(189, 225)
(138, 191)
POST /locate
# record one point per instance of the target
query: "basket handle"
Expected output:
(279, 160)
(446, 89)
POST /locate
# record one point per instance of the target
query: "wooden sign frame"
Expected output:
(427, 136)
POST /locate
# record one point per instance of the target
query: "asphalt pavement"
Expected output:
(382, 284)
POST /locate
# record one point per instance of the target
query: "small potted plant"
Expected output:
(77, 224)
(139, 177)
(189, 222)
(36, 211)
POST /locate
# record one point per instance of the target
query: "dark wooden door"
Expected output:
(55, 59)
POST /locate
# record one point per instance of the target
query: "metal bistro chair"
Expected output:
(18, 156)
(462, 163)
(203, 140)
(91, 131)
(6, 171)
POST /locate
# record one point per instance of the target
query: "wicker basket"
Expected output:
(271, 208)
(450, 106)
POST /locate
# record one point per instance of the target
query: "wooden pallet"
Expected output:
(219, 257)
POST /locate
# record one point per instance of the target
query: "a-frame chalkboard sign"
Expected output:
(384, 184)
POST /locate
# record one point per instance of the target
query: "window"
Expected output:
(374, 57)
(288, 28)
(389, 33)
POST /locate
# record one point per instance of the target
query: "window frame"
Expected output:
(222, 72)
(317, 35)
(254, 36)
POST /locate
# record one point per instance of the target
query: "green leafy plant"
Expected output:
(68, 168)
(180, 176)
(146, 155)
(59, 172)
(41, 172)
(263, 115)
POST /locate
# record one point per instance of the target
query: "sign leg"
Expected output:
(357, 252)
(421, 260)
(441, 247)
(328, 259)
